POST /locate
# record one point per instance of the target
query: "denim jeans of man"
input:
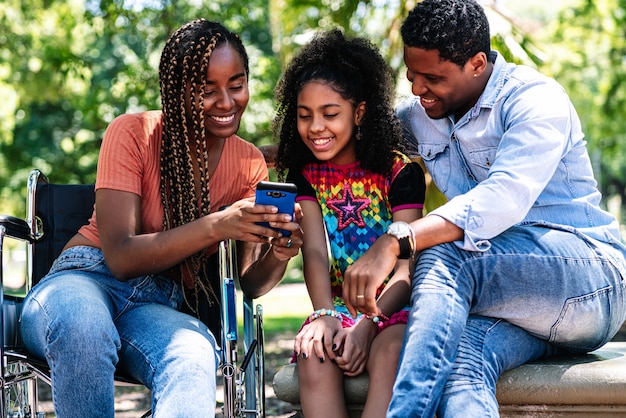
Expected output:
(477, 314)
(86, 324)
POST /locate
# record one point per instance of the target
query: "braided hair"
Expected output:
(355, 69)
(182, 77)
(457, 29)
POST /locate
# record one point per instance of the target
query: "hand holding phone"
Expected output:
(281, 195)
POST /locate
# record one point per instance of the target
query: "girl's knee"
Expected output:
(382, 364)
(312, 372)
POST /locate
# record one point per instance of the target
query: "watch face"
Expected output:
(398, 229)
(402, 232)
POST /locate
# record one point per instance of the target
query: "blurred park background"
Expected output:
(68, 67)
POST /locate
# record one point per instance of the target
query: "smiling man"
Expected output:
(521, 262)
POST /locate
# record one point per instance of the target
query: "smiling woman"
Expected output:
(142, 270)
(225, 94)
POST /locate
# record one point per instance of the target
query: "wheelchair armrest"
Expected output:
(16, 228)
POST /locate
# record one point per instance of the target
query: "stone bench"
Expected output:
(591, 385)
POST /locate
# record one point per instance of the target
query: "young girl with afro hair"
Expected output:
(341, 144)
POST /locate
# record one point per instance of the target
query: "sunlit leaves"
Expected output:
(68, 67)
(589, 60)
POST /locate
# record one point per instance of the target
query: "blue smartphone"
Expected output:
(281, 195)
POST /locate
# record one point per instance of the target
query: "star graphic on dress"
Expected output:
(349, 208)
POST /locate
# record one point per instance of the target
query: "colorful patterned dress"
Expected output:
(357, 207)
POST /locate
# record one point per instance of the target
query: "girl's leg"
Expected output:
(174, 355)
(382, 366)
(321, 389)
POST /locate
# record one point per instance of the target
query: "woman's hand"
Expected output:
(261, 267)
(314, 336)
(286, 247)
(240, 220)
(352, 346)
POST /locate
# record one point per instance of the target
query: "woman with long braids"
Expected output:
(114, 297)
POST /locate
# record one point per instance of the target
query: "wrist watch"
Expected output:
(403, 232)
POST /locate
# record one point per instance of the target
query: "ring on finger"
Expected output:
(289, 243)
(360, 296)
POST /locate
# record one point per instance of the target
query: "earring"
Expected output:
(358, 133)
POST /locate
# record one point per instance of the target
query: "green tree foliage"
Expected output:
(295, 21)
(589, 52)
(67, 68)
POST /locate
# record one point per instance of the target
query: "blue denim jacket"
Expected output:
(518, 156)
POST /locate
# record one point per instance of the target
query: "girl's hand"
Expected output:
(353, 346)
(311, 339)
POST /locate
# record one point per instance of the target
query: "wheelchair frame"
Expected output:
(239, 399)
(244, 383)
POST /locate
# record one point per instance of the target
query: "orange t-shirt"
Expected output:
(130, 161)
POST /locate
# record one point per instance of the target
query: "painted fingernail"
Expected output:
(334, 347)
(303, 355)
(321, 360)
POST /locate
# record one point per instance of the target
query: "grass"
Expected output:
(284, 309)
(286, 300)
(275, 327)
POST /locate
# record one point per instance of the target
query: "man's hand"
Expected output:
(364, 277)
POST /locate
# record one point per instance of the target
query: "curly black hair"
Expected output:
(356, 70)
(458, 29)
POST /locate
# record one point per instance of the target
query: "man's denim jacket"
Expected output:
(518, 156)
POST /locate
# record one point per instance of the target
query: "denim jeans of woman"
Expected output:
(87, 324)
(536, 291)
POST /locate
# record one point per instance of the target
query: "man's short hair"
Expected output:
(458, 29)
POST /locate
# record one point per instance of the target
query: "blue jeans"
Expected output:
(474, 315)
(87, 324)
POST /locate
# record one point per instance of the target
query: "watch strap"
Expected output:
(405, 236)
(406, 249)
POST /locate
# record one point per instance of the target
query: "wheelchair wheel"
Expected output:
(251, 394)
(20, 393)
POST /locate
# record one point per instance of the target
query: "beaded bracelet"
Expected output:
(379, 318)
(324, 312)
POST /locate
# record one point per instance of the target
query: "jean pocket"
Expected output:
(87, 259)
(155, 288)
(584, 322)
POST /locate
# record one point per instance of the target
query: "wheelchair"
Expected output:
(54, 213)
